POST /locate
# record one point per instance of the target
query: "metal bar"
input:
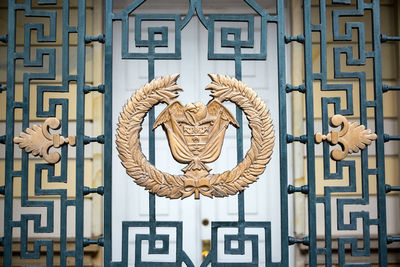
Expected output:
(298, 38)
(391, 239)
(100, 88)
(290, 88)
(152, 153)
(80, 133)
(283, 159)
(98, 190)
(108, 133)
(386, 88)
(88, 242)
(65, 81)
(99, 139)
(385, 38)
(305, 241)
(387, 138)
(390, 188)
(379, 128)
(302, 139)
(308, 63)
(301, 189)
(9, 153)
(4, 38)
(100, 38)
(239, 139)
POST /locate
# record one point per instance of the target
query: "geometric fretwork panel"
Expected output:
(346, 175)
(334, 83)
(46, 151)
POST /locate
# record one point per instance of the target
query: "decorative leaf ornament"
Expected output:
(196, 126)
(38, 140)
(353, 137)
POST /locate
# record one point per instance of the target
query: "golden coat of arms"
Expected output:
(195, 135)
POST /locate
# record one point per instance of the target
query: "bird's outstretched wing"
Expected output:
(214, 107)
(175, 108)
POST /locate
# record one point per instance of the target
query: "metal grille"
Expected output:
(40, 67)
(237, 57)
(40, 64)
(376, 103)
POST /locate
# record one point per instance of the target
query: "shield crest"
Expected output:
(195, 133)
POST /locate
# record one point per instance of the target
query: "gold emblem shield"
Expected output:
(195, 134)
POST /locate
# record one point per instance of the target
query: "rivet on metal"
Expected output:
(301, 189)
(99, 242)
(87, 190)
(87, 89)
(388, 138)
(299, 38)
(99, 139)
(305, 240)
(4, 38)
(386, 88)
(291, 88)
(389, 188)
(100, 38)
(302, 139)
(391, 239)
(385, 38)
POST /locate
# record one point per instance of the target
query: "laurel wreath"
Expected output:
(164, 90)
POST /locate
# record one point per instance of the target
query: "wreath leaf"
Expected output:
(164, 90)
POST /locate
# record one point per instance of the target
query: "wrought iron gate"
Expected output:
(27, 66)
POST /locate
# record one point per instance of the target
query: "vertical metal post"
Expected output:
(308, 63)
(80, 133)
(108, 134)
(9, 164)
(283, 132)
(379, 128)
(152, 152)
(239, 140)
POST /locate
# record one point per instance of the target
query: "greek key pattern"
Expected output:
(344, 130)
(46, 57)
(348, 73)
(231, 37)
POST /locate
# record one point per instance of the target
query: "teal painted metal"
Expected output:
(340, 12)
(11, 171)
(237, 57)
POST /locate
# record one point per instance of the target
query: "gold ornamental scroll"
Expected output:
(38, 140)
(352, 138)
(195, 134)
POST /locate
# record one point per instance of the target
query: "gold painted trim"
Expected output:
(197, 179)
(38, 140)
(352, 138)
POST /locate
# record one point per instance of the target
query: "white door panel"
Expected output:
(262, 199)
